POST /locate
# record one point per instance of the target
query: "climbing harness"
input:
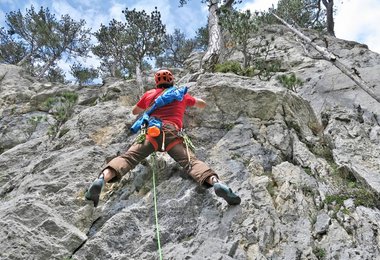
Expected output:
(155, 205)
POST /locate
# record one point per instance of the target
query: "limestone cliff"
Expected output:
(305, 163)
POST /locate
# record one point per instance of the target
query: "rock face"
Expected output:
(307, 172)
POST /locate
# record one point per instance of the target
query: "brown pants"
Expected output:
(197, 169)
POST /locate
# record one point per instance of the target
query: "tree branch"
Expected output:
(332, 58)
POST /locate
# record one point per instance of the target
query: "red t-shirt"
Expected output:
(172, 112)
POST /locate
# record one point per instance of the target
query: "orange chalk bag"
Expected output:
(154, 127)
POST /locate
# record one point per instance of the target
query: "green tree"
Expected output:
(61, 107)
(305, 13)
(70, 38)
(46, 39)
(145, 36)
(241, 26)
(82, 74)
(308, 13)
(177, 50)
(33, 29)
(112, 49)
(290, 81)
(11, 51)
(56, 74)
(201, 38)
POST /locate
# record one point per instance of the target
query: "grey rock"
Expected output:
(280, 150)
(322, 224)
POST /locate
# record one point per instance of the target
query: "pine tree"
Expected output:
(82, 74)
(11, 51)
(201, 38)
(112, 49)
(145, 36)
(33, 30)
(41, 39)
(177, 50)
(241, 26)
(70, 38)
(304, 13)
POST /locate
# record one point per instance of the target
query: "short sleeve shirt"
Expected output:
(171, 113)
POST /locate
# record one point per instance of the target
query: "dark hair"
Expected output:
(165, 85)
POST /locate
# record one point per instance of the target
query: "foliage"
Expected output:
(305, 13)
(307, 171)
(145, 35)
(241, 26)
(290, 81)
(82, 74)
(266, 17)
(263, 69)
(112, 49)
(201, 38)
(34, 121)
(362, 196)
(61, 107)
(123, 47)
(183, 2)
(56, 74)
(267, 68)
(69, 38)
(229, 66)
(32, 29)
(39, 39)
(338, 199)
(11, 51)
(177, 50)
(260, 50)
(320, 253)
(323, 150)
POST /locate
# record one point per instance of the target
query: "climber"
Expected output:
(166, 138)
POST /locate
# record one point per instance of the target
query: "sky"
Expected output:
(355, 20)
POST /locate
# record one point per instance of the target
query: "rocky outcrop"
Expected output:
(325, 86)
(307, 179)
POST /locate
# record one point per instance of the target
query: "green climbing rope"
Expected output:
(155, 205)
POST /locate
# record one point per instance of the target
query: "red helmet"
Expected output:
(163, 76)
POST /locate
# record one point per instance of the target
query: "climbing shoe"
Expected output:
(226, 193)
(93, 192)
